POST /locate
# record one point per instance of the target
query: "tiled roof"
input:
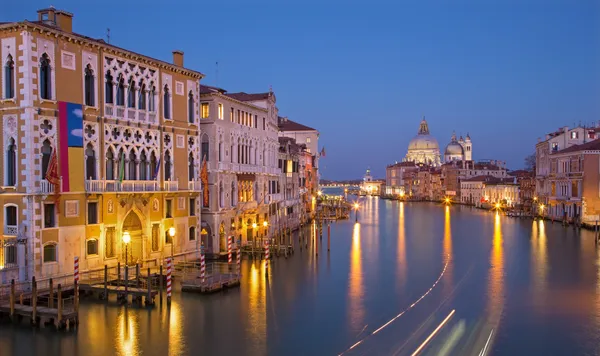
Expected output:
(589, 146)
(207, 89)
(403, 164)
(241, 96)
(289, 125)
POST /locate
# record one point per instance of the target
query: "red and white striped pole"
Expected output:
(168, 280)
(229, 251)
(239, 258)
(76, 270)
(267, 256)
(202, 265)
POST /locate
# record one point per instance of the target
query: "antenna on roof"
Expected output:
(108, 35)
(217, 72)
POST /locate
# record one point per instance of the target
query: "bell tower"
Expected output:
(468, 146)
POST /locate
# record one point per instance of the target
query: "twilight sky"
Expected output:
(364, 73)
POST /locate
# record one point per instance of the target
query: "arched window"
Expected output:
(121, 91)
(10, 219)
(153, 166)
(191, 175)
(50, 253)
(45, 78)
(167, 166)
(231, 153)
(108, 88)
(221, 196)
(142, 96)
(9, 78)
(132, 166)
(152, 98)
(131, 94)
(90, 92)
(11, 163)
(46, 155)
(110, 165)
(205, 148)
(143, 166)
(90, 162)
(121, 169)
(191, 107)
(220, 148)
(232, 193)
(167, 103)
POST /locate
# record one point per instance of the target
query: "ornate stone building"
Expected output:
(423, 148)
(122, 130)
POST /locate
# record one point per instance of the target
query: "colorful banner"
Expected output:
(70, 141)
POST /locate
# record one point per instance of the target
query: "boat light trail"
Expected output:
(433, 334)
(404, 311)
(484, 350)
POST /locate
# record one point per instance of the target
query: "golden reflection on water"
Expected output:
(257, 309)
(127, 334)
(447, 246)
(356, 310)
(176, 338)
(539, 260)
(401, 247)
(496, 277)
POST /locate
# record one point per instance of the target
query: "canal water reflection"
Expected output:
(519, 286)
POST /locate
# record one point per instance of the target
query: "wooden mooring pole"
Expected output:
(60, 307)
(33, 301)
(160, 284)
(12, 299)
(105, 282)
(126, 283)
(149, 296)
(51, 295)
(137, 275)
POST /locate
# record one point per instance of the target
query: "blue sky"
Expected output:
(364, 73)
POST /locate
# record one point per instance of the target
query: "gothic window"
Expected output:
(108, 88)
(110, 165)
(121, 91)
(9, 78)
(152, 98)
(167, 103)
(132, 166)
(232, 194)
(121, 159)
(11, 164)
(46, 154)
(45, 78)
(89, 86)
(220, 148)
(191, 107)
(90, 162)
(153, 166)
(231, 153)
(143, 166)
(191, 175)
(205, 147)
(221, 196)
(167, 166)
(142, 96)
(131, 94)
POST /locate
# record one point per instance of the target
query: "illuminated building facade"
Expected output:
(117, 131)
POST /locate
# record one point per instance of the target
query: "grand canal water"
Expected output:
(520, 287)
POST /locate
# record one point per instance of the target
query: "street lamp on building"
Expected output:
(172, 234)
(126, 240)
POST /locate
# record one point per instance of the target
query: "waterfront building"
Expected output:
(487, 191)
(456, 171)
(292, 209)
(527, 197)
(574, 182)
(240, 144)
(554, 142)
(98, 141)
(394, 177)
(370, 186)
(302, 134)
(429, 183)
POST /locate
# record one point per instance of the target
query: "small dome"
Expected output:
(454, 149)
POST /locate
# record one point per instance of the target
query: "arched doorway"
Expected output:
(222, 239)
(133, 225)
(249, 232)
(206, 237)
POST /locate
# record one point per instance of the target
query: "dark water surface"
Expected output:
(520, 287)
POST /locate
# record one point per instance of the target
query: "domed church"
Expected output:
(460, 150)
(423, 148)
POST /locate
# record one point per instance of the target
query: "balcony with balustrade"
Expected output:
(171, 186)
(112, 186)
(195, 185)
(11, 230)
(131, 114)
(47, 187)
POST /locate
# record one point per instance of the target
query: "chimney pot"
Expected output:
(178, 58)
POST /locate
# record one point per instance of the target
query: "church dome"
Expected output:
(423, 142)
(454, 149)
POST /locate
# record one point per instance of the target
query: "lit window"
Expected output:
(220, 111)
(204, 110)
(574, 134)
(308, 140)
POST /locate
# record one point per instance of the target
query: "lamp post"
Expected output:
(172, 234)
(355, 212)
(126, 240)
(265, 224)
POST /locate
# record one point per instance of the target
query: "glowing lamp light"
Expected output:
(254, 225)
(126, 237)
(265, 223)
(172, 231)
(356, 206)
(320, 193)
(542, 206)
(497, 205)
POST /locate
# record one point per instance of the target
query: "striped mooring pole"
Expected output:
(168, 280)
(76, 270)
(229, 249)
(202, 264)
(239, 258)
(266, 255)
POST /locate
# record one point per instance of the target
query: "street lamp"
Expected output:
(355, 212)
(447, 201)
(126, 240)
(172, 234)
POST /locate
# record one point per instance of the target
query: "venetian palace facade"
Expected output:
(123, 130)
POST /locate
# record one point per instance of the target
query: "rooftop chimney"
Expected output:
(58, 18)
(178, 58)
